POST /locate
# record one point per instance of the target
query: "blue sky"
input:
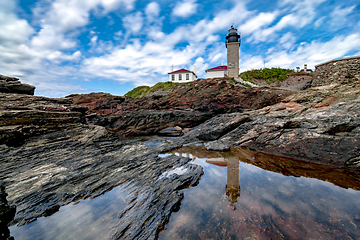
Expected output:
(81, 46)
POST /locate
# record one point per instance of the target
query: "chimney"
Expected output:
(172, 68)
(194, 69)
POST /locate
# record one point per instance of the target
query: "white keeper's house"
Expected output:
(219, 71)
(182, 75)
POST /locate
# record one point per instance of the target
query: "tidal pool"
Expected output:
(249, 195)
(86, 219)
(243, 194)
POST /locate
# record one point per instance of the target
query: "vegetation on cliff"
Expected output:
(143, 91)
(270, 75)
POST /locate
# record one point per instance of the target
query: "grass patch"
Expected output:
(270, 75)
(143, 91)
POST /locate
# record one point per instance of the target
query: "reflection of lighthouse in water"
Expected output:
(232, 184)
(232, 163)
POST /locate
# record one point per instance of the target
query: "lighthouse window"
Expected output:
(187, 76)
(232, 65)
(180, 77)
(173, 77)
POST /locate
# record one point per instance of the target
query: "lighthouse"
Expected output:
(233, 42)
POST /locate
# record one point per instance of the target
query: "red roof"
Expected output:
(218, 68)
(220, 164)
(181, 71)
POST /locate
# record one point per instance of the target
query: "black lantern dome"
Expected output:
(233, 35)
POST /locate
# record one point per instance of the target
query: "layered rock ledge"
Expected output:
(23, 116)
(13, 85)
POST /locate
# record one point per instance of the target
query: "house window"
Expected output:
(187, 76)
(180, 77)
(173, 77)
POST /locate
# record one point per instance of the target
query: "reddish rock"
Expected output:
(190, 104)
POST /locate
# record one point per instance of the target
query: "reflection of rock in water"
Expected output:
(7, 214)
(232, 185)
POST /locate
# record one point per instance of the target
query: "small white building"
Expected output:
(219, 71)
(182, 75)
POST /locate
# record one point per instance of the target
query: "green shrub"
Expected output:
(138, 92)
(270, 75)
(143, 91)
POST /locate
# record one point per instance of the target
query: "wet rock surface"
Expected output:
(147, 122)
(172, 131)
(54, 169)
(157, 197)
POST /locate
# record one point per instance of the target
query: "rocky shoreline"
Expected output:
(57, 151)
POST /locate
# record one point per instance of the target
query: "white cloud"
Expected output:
(204, 28)
(60, 56)
(301, 13)
(310, 53)
(341, 12)
(287, 40)
(303, 6)
(35, 56)
(12, 30)
(269, 34)
(319, 22)
(250, 62)
(152, 11)
(93, 41)
(259, 21)
(217, 57)
(185, 8)
(134, 22)
(14, 33)
(62, 17)
(48, 39)
(111, 5)
(201, 66)
(316, 52)
(339, 17)
(141, 63)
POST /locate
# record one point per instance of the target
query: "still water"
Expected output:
(85, 219)
(242, 195)
(248, 195)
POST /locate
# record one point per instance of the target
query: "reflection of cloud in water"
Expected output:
(215, 172)
(86, 219)
(272, 205)
(178, 171)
